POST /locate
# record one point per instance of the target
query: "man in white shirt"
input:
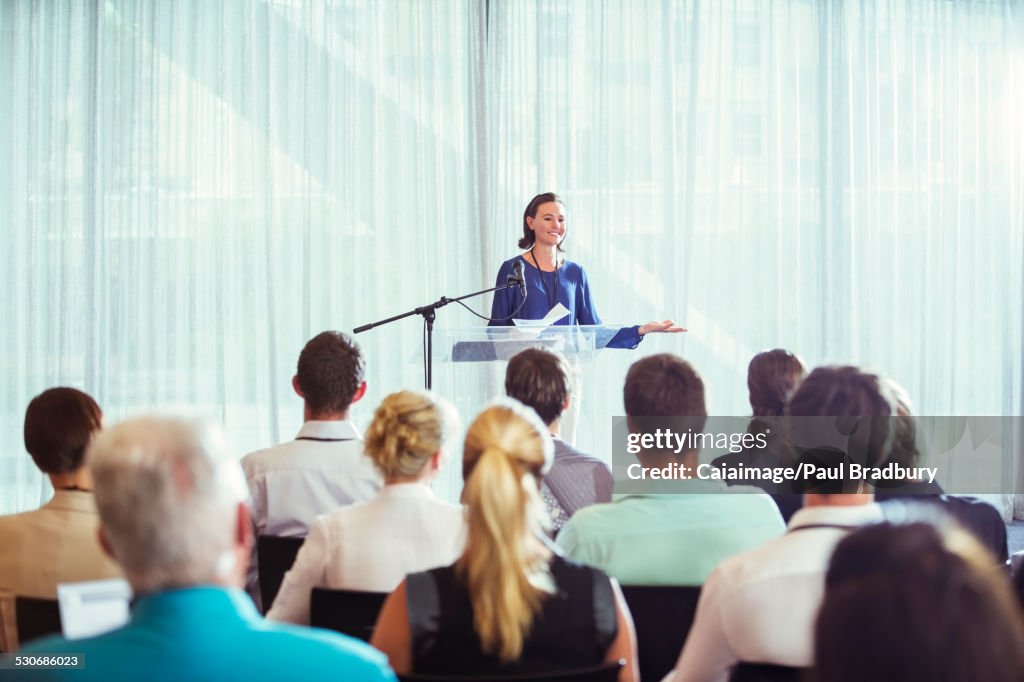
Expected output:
(760, 606)
(324, 467)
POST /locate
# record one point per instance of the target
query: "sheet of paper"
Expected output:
(93, 607)
(554, 315)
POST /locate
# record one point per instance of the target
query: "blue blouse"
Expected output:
(567, 285)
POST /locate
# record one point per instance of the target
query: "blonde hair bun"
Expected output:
(408, 428)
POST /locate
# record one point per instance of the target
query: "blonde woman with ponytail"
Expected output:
(510, 603)
(371, 545)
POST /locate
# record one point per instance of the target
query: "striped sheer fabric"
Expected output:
(193, 189)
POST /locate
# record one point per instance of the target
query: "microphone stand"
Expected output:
(429, 313)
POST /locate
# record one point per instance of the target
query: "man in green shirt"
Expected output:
(682, 529)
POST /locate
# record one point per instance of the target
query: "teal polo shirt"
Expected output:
(670, 539)
(210, 633)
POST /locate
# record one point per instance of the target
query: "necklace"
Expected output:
(550, 292)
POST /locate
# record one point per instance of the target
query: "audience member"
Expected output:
(510, 603)
(172, 510)
(974, 514)
(543, 380)
(324, 467)
(679, 537)
(56, 543)
(370, 546)
(772, 376)
(759, 606)
(906, 603)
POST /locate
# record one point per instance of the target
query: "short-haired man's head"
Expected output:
(851, 411)
(539, 379)
(408, 428)
(331, 369)
(665, 385)
(59, 424)
(772, 376)
(168, 491)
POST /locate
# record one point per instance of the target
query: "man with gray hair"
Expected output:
(173, 514)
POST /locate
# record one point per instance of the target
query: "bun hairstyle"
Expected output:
(531, 212)
(505, 566)
(408, 428)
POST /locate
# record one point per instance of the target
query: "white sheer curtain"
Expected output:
(843, 179)
(192, 189)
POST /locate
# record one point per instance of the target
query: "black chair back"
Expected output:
(606, 672)
(275, 556)
(36, 618)
(766, 672)
(349, 612)
(662, 616)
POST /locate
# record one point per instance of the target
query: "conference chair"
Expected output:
(275, 557)
(662, 616)
(349, 612)
(606, 672)
(766, 672)
(36, 618)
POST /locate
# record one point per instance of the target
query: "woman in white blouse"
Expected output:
(372, 545)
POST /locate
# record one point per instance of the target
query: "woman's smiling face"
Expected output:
(548, 225)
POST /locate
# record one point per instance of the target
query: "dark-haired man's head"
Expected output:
(330, 376)
(59, 425)
(542, 380)
(664, 392)
(840, 415)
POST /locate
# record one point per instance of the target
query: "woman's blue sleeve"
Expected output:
(504, 300)
(627, 337)
(586, 313)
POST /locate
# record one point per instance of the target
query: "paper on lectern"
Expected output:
(554, 315)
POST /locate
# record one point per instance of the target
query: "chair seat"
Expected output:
(766, 672)
(275, 556)
(350, 612)
(606, 672)
(36, 618)
(662, 616)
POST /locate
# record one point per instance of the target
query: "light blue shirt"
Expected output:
(670, 539)
(210, 633)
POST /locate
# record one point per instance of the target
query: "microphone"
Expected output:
(517, 276)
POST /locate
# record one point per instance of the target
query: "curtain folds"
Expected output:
(193, 189)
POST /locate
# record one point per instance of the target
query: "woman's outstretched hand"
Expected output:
(666, 326)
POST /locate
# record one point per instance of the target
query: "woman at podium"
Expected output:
(550, 279)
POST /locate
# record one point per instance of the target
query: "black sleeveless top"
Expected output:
(573, 629)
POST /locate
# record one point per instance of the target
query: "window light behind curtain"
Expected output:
(193, 189)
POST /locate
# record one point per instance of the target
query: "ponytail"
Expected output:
(504, 566)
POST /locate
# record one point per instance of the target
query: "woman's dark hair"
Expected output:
(915, 604)
(59, 424)
(531, 212)
(772, 376)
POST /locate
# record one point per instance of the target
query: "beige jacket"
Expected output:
(57, 543)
